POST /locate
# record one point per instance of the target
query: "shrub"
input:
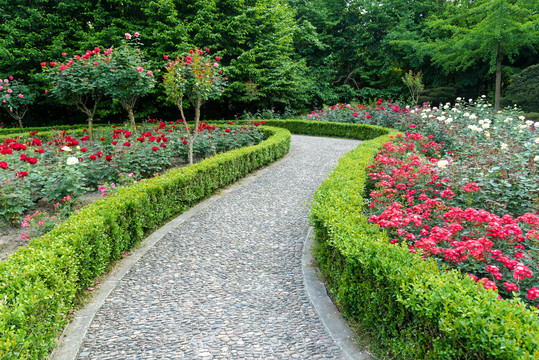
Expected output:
(523, 90)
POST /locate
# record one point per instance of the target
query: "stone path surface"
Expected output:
(227, 283)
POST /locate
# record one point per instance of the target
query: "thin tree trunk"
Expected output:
(132, 119)
(91, 127)
(17, 116)
(498, 90)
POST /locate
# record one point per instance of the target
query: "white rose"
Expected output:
(66, 148)
(442, 163)
(72, 161)
(504, 146)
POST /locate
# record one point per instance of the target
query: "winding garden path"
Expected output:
(226, 282)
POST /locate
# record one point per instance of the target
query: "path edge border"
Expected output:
(331, 317)
(69, 342)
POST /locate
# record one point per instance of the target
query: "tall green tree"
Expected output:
(482, 31)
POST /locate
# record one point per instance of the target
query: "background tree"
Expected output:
(414, 83)
(486, 31)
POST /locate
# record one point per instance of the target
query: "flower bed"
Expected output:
(408, 303)
(55, 165)
(39, 283)
(417, 207)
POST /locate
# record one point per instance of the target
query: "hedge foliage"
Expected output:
(413, 308)
(39, 283)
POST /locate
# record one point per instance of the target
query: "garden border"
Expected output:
(411, 307)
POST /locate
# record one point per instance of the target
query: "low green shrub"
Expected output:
(409, 305)
(38, 283)
(523, 90)
(340, 130)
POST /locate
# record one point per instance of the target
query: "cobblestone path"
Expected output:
(227, 284)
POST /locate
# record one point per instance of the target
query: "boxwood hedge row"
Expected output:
(39, 283)
(409, 305)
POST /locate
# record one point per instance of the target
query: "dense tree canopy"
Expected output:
(283, 53)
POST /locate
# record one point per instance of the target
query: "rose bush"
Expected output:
(67, 165)
(419, 207)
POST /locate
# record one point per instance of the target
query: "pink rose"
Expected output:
(127, 36)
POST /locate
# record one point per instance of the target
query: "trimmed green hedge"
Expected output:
(322, 128)
(409, 305)
(39, 283)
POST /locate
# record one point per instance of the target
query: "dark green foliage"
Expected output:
(439, 95)
(524, 90)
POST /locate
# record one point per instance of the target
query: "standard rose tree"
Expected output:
(197, 78)
(82, 81)
(130, 76)
(15, 97)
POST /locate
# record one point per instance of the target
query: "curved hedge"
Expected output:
(412, 307)
(39, 283)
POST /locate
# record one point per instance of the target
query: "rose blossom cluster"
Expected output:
(413, 203)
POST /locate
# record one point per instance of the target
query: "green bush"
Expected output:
(38, 283)
(524, 90)
(340, 130)
(411, 307)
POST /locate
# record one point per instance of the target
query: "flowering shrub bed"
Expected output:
(419, 208)
(409, 304)
(384, 113)
(38, 283)
(34, 168)
(497, 151)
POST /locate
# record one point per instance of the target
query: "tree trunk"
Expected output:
(19, 118)
(498, 90)
(91, 127)
(132, 118)
(191, 143)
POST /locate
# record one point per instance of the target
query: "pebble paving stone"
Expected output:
(227, 284)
